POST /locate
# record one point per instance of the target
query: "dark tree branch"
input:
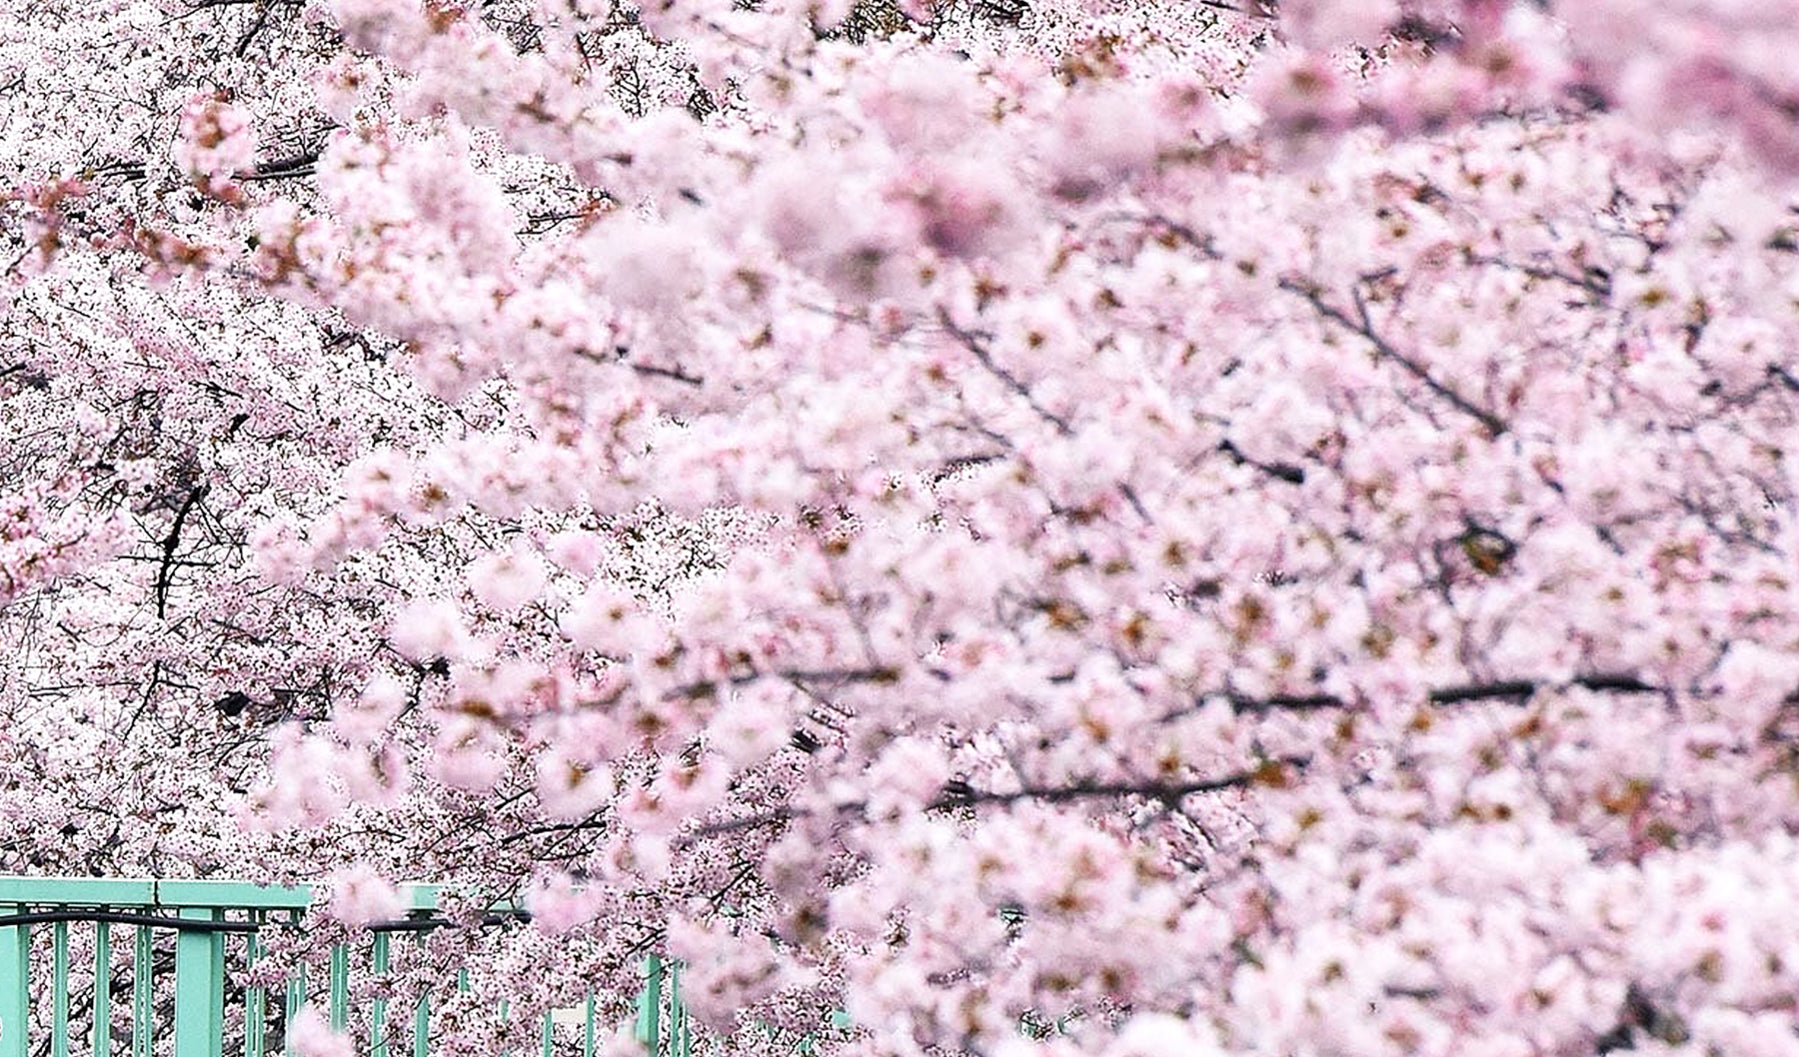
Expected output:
(1458, 694)
(262, 20)
(1596, 282)
(879, 674)
(1271, 772)
(959, 794)
(672, 373)
(170, 543)
(1364, 327)
(1006, 378)
(1280, 471)
(283, 168)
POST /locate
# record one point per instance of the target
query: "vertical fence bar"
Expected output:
(421, 1027)
(296, 985)
(421, 1018)
(679, 1012)
(296, 993)
(102, 989)
(549, 1035)
(587, 1035)
(378, 1015)
(199, 987)
(256, 999)
(649, 1015)
(15, 984)
(340, 987)
(142, 980)
(674, 1008)
(59, 989)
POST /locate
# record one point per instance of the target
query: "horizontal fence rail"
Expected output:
(201, 918)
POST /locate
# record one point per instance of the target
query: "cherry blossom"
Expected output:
(1081, 526)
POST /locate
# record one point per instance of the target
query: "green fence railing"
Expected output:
(204, 918)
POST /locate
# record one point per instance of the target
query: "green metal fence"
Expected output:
(205, 917)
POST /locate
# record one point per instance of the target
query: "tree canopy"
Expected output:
(1141, 528)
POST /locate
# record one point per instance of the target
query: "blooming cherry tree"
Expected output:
(1129, 527)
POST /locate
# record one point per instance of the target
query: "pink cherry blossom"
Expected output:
(217, 141)
(1121, 527)
(311, 1036)
(359, 896)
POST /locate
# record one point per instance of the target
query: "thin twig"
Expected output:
(1272, 772)
(1365, 328)
(1007, 378)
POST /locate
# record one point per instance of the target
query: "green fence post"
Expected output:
(649, 1008)
(59, 989)
(296, 994)
(142, 982)
(677, 1013)
(421, 1027)
(256, 999)
(378, 1015)
(199, 988)
(340, 987)
(15, 984)
(421, 1018)
(102, 989)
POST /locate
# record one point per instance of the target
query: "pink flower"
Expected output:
(1753, 682)
(365, 717)
(926, 104)
(310, 1035)
(605, 619)
(568, 788)
(465, 757)
(964, 208)
(1163, 1035)
(359, 896)
(217, 140)
(1303, 94)
(908, 776)
(507, 580)
(1101, 138)
(302, 789)
(1333, 23)
(429, 628)
(647, 265)
(557, 905)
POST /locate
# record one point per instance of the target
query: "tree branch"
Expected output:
(1006, 378)
(170, 543)
(1365, 328)
(1273, 772)
(1280, 471)
(1458, 694)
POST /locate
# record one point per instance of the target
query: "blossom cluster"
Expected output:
(1091, 526)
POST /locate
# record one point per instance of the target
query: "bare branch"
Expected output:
(1007, 378)
(169, 545)
(1365, 328)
